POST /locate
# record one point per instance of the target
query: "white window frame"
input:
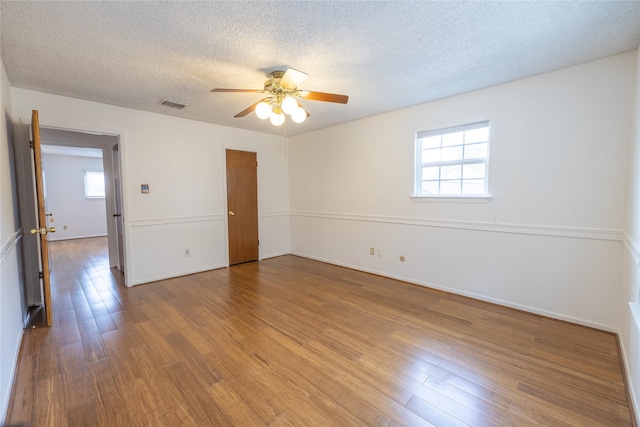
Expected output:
(90, 193)
(419, 164)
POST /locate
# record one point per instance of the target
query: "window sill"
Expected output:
(451, 199)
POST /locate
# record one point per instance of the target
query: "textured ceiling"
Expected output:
(384, 55)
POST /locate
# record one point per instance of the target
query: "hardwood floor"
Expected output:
(293, 342)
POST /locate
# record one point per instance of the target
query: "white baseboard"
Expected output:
(632, 395)
(534, 310)
(177, 274)
(275, 255)
(12, 378)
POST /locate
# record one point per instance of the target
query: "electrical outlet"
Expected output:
(379, 252)
(372, 251)
(187, 252)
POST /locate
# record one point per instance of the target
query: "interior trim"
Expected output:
(9, 244)
(144, 222)
(632, 247)
(634, 307)
(177, 274)
(267, 214)
(539, 230)
(480, 297)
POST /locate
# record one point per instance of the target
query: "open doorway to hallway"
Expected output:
(81, 177)
(101, 211)
(74, 192)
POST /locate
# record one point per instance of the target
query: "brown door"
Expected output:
(242, 202)
(41, 230)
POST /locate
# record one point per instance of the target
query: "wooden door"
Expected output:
(41, 230)
(242, 202)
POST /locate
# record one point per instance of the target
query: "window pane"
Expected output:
(476, 135)
(473, 186)
(451, 172)
(431, 142)
(93, 184)
(452, 153)
(476, 151)
(450, 187)
(452, 139)
(431, 155)
(430, 187)
(431, 173)
(473, 171)
(453, 161)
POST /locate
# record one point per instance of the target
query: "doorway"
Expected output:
(74, 192)
(109, 147)
(111, 214)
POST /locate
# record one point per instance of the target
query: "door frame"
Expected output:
(224, 192)
(110, 201)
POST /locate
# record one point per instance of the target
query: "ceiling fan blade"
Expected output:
(250, 108)
(305, 110)
(322, 96)
(238, 90)
(292, 78)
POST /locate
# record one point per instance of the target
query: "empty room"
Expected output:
(320, 213)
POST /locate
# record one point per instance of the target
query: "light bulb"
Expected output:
(277, 119)
(263, 110)
(289, 105)
(299, 115)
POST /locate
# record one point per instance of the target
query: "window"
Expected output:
(93, 184)
(453, 161)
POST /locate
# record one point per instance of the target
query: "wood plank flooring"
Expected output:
(293, 342)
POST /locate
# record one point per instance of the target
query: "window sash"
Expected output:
(93, 189)
(420, 163)
(453, 129)
(455, 162)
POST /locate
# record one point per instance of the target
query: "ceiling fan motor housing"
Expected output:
(273, 85)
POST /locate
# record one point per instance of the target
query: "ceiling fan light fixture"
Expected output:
(282, 95)
(299, 115)
(276, 118)
(263, 110)
(289, 105)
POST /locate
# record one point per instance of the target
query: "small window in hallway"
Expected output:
(93, 184)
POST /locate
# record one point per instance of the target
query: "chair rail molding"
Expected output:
(540, 230)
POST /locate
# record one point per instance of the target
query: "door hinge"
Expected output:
(40, 275)
(258, 242)
(30, 144)
(256, 164)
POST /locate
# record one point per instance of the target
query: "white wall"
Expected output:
(628, 307)
(549, 241)
(64, 187)
(11, 295)
(183, 162)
